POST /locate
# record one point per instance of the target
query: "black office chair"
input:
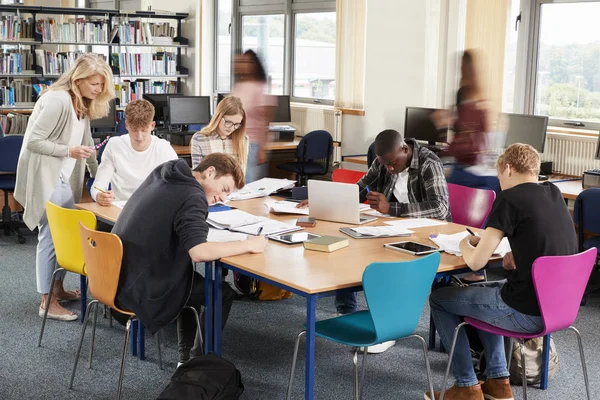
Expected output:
(10, 147)
(313, 154)
(371, 155)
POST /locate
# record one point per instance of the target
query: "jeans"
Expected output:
(255, 171)
(188, 339)
(345, 302)
(483, 302)
(464, 178)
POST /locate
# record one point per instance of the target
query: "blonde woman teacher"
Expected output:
(56, 147)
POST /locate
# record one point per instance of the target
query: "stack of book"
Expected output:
(78, 30)
(14, 124)
(144, 64)
(13, 27)
(14, 61)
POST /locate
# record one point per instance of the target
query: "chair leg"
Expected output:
(122, 369)
(289, 391)
(583, 364)
(198, 328)
(85, 321)
(158, 347)
(450, 355)
(48, 300)
(523, 369)
(93, 335)
(355, 374)
(362, 377)
(427, 367)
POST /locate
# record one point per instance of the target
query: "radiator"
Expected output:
(306, 119)
(571, 154)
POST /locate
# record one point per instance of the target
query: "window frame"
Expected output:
(289, 9)
(532, 64)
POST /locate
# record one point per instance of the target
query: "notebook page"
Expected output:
(218, 235)
(288, 207)
(270, 227)
(411, 223)
(382, 230)
(231, 218)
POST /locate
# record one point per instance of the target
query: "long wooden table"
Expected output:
(309, 274)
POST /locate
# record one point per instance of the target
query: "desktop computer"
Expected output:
(160, 101)
(591, 177)
(105, 126)
(184, 111)
(282, 133)
(528, 129)
(419, 125)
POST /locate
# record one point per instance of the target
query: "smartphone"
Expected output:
(413, 248)
(293, 238)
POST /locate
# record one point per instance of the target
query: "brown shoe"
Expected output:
(497, 389)
(460, 393)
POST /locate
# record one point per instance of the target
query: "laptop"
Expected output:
(337, 202)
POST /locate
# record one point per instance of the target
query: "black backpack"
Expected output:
(207, 377)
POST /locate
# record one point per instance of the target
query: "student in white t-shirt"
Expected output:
(128, 160)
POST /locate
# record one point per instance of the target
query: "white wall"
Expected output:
(394, 72)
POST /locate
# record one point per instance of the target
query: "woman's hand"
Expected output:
(81, 152)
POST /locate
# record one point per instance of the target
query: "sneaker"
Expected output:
(459, 393)
(379, 348)
(179, 364)
(497, 389)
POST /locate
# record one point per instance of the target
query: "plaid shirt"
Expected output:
(427, 187)
(203, 145)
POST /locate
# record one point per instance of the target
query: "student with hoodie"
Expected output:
(163, 229)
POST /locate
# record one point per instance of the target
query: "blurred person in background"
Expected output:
(471, 127)
(250, 84)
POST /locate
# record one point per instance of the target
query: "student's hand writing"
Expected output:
(256, 244)
(105, 199)
(508, 262)
(81, 152)
(302, 204)
(473, 240)
(378, 202)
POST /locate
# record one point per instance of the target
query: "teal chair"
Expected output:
(396, 293)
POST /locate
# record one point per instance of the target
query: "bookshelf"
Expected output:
(140, 61)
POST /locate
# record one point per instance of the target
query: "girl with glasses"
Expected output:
(226, 133)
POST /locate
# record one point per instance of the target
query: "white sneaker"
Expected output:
(179, 364)
(379, 348)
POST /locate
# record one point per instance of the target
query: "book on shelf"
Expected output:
(139, 32)
(144, 64)
(15, 91)
(80, 30)
(55, 63)
(13, 61)
(14, 27)
(14, 123)
(128, 90)
(327, 244)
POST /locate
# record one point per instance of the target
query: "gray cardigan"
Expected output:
(45, 146)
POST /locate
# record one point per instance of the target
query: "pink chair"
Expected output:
(559, 283)
(470, 206)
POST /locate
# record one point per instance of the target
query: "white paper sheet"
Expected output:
(261, 188)
(377, 214)
(231, 219)
(450, 243)
(119, 204)
(270, 227)
(382, 231)
(288, 207)
(218, 235)
(412, 223)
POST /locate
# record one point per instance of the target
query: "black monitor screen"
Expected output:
(598, 148)
(418, 125)
(283, 112)
(186, 110)
(160, 101)
(528, 129)
(110, 121)
(221, 96)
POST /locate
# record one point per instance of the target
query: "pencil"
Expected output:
(100, 190)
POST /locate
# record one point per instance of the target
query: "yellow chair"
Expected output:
(64, 228)
(103, 254)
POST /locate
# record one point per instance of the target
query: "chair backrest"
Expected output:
(346, 175)
(103, 254)
(10, 148)
(559, 283)
(586, 212)
(371, 155)
(396, 293)
(315, 145)
(470, 206)
(64, 228)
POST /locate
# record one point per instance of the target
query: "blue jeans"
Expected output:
(464, 178)
(345, 302)
(483, 302)
(255, 171)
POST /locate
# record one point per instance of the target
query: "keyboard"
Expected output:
(542, 177)
(281, 128)
(595, 171)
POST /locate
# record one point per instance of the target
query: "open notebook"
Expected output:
(261, 188)
(241, 221)
(450, 243)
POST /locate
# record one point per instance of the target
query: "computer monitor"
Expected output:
(598, 148)
(110, 121)
(419, 125)
(528, 129)
(221, 96)
(188, 110)
(283, 112)
(160, 101)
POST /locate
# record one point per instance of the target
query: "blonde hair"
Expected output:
(86, 66)
(523, 158)
(139, 114)
(231, 105)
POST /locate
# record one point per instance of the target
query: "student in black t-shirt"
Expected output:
(536, 221)
(163, 229)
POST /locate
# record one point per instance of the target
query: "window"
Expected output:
(264, 35)
(295, 40)
(566, 84)
(314, 56)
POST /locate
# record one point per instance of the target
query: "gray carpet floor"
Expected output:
(258, 339)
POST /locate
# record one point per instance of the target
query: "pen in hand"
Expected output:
(100, 190)
(472, 233)
(367, 189)
(259, 231)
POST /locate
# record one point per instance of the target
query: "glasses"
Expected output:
(229, 124)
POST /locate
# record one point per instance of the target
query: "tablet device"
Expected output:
(413, 248)
(293, 238)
